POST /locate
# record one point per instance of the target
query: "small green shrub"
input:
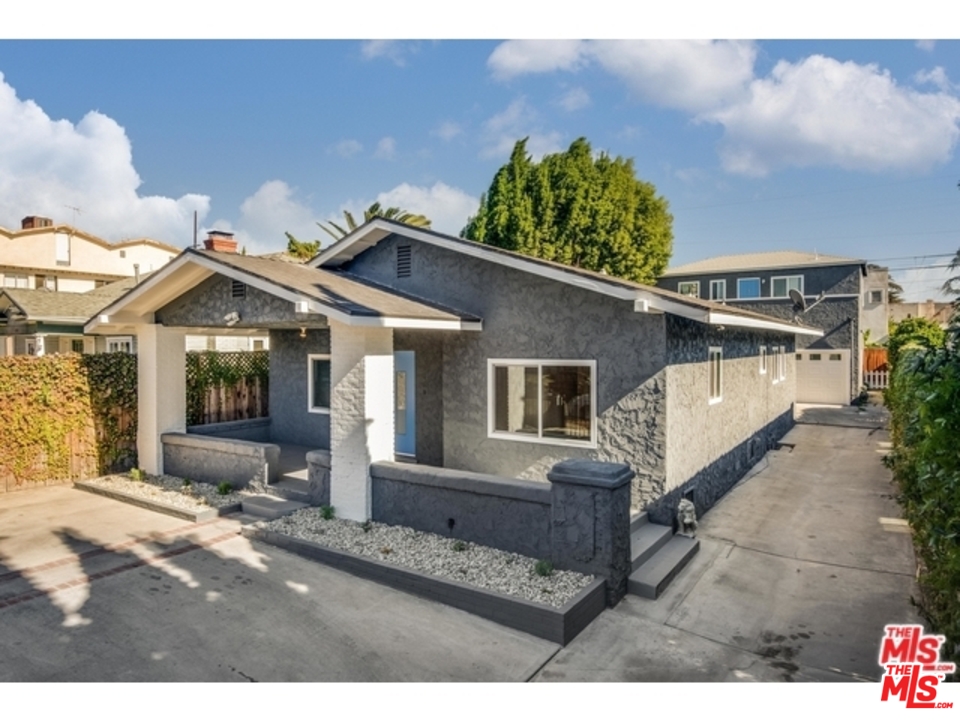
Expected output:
(224, 488)
(186, 483)
(327, 512)
(136, 474)
(459, 546)
(543, 568)
(366, 526)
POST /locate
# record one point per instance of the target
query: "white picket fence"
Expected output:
(876, 380)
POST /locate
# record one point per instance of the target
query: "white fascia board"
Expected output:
(717, 318)
(415, 323)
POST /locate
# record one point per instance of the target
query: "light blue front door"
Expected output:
(405, 414)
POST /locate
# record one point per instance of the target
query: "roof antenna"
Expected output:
(76, 211)
(194, 229)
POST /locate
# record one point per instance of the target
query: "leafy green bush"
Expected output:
(913, 331)
(224, 488)
(327, 512)
(924, 401)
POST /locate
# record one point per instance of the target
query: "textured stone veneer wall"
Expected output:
(525, 317)
(713, 445)
(290, 421)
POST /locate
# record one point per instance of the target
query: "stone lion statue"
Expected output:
(686, 518)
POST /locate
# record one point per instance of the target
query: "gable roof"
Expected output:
(646, 298)
(76, 232)
(64, 307)
(773, 260)
(338, 295)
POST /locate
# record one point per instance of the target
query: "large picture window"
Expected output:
(549, 401)
(748, 288)
(318, 382)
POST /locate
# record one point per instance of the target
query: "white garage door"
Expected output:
(823, 376)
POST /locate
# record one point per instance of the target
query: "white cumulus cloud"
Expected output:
(447, 207)
(394, 50)
(574, 99)
(386, 149)
(824, 112)
(518, 57)
(266, 215)
(46, 165)
(926, 45)
(448, 130)
(346, 148)
(517, 121)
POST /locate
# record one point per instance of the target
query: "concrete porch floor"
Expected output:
(293, 461)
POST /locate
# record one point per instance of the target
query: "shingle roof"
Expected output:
(338, 290)
(760, 261)
(66, 307)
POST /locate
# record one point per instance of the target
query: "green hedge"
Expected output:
(67, 416)
(924, 401)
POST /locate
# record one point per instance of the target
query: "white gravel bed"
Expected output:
(170, 490)
(465, 562)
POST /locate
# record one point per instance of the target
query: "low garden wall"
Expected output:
(255, 430)
(214, 460)
(579, 521)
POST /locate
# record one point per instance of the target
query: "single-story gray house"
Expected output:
(403, 343)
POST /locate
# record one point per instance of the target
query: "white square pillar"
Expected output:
(161, 391)
(361, 413)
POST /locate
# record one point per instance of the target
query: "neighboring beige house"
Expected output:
(874, 308)
(939, 312)
(41, 255)
(51, 278)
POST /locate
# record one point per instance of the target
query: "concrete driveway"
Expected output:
(800, 567)
(95, 590)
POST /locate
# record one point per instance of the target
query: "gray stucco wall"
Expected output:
(428, 355)
(710, 446)
(526, 317)
(831, 279)
(211, 300)
(290, 421)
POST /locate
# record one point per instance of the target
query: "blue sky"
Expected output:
(844, 147)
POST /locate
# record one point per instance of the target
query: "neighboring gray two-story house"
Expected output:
(838, 299)
(399, 342)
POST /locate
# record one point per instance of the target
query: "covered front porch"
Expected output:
(342, 370)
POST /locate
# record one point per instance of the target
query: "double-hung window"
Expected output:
(546, 401)
(120, 343)
(718, 290)
(780, 287)
(318, 383)
(775, 352)
(715, 365)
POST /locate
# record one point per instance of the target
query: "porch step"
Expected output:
(638, 520)
(646, 540)
(652, 578)
(290, 489)
(269, 506)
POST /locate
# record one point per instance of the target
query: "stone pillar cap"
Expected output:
(591, 472)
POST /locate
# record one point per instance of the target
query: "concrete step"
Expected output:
(652, 578)
(637, 520)
(646, 540)
(291, 489)
(269, 506)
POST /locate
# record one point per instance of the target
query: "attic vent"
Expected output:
(403, 261)
(237, 289)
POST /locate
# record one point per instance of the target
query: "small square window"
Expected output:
(781, 286)
(76, 346)
(318, 381)
(689, 288)
(876, 296)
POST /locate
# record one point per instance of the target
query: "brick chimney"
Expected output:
(221, 241)
(35, 221)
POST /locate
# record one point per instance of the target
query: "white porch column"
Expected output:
(361, 413)
(161, 391)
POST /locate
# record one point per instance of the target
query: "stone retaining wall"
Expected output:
(213, 460)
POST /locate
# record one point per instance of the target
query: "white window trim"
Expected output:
(689, 282)
(719, 350)
(783, 363)
(722, 284)
(759, 288)
(118, 339)
(788, 278)
(763, 359)
(775, 375)
(310, 407)
(525, 362)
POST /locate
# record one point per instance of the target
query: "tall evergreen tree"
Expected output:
(577, 209)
